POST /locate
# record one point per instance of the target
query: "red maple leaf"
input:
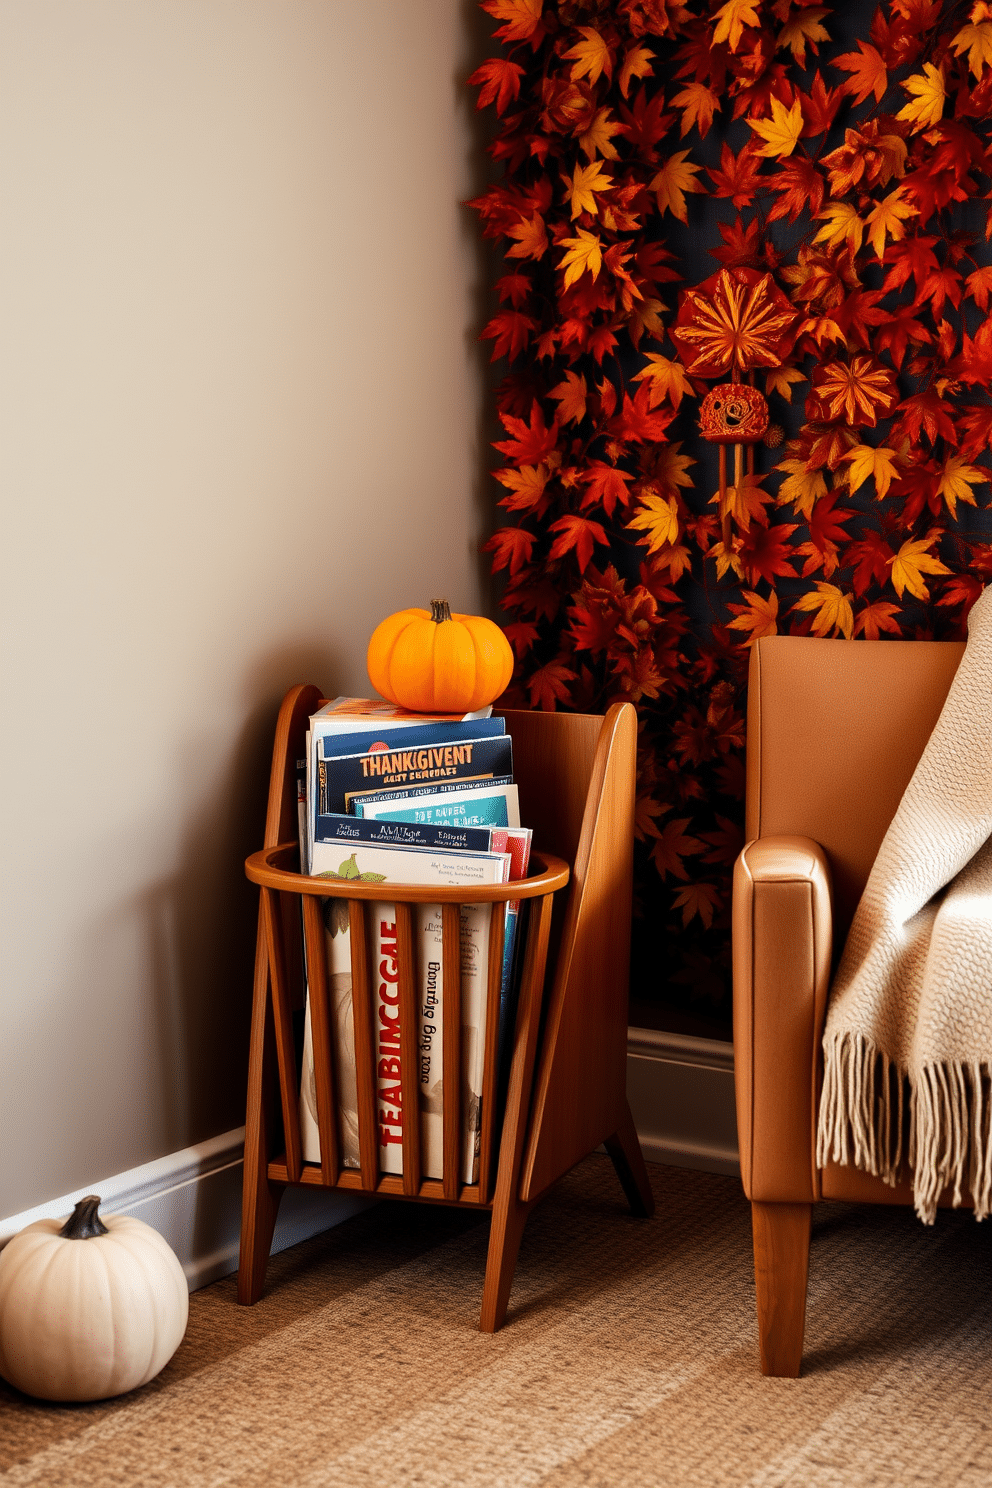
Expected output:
(825, 520)
(531, 444)
(512, 547)
(974, 365)
(819, 107)
(976, 428)
(871, 557)
(580, 533)
(764, 552)
(939, 286)
(637, 421)
(645, 122)
(498, 81)
(511, 332)
(896, 334)
(926, 413)
(743, 247)
(800, 185)
(606, 484)
(549, 686)
(910, 257)
(738, 175)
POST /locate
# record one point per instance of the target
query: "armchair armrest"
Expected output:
(782, 941)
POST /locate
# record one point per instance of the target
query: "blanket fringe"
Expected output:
(879, 1118)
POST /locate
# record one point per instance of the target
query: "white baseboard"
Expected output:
(681, 1092)
(193, 1199)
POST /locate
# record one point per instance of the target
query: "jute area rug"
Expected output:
(630, 1357)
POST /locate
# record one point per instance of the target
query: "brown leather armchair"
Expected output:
(835, 729)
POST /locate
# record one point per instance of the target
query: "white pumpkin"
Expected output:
(88, 1308)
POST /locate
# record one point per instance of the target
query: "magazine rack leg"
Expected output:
(628, 1159)
(509, 1211)
(260, 1198)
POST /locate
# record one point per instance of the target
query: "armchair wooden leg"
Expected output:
(781, 1265)
(628, 1159)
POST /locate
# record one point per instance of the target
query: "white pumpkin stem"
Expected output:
(440, 610)
(84, 1222)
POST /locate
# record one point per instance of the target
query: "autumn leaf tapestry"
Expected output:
(838, 165)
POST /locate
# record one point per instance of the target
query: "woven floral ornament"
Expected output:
(735, 320)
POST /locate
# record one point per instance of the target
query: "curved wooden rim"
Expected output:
(267, 869)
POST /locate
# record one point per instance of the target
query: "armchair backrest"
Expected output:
(835, 729)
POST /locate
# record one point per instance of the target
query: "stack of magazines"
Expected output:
(387, 796)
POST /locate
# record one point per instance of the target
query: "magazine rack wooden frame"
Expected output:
(567, 1085)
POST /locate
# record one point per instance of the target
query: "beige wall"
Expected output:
(241, 419)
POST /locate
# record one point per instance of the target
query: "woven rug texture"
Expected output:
(629, 1357)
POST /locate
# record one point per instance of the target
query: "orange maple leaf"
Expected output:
(522, 19)
(531, 236)
(636, 63)
(527, 485)
(868, 74)
(582, 186)
(591, 56)
(731, 20)
(801, 28)
(606, 484)
(911, 562)
(571, 395)
(759, 616)
(666, 379)
(597, 139)
(874, 618)
(585, 252)
(697, 103)
(676, 177)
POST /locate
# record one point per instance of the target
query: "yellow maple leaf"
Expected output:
(697, 103)
(731, 20)
(780, 379)
(842, 225)
(926, 107)
(636, 63)
(801, 486)
(532, 239)
(832, 607)
(875, 464)
(912, 561)
(584, 252)
(803, 27)
(667, 380)
(571, 395)
(977, 42)
(591, 56)
(676, 177)
(956, 480)
(597, 139)
(581, 186)
(698, 899)
(658, 518)
(781, 132)
(527, 483)
(888, 217)
(670, 466)
(759, 616)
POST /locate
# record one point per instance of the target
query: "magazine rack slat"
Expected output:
(566, 1087)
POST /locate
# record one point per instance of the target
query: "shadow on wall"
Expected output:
(202, 920)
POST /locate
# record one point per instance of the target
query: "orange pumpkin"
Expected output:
(435, 662)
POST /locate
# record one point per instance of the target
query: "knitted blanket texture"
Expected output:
(908, 1036)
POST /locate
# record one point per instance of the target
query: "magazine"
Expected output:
(382, 863)
(339, 777)
(487, 803)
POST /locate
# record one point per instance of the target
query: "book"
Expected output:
(384, 863)
(482, 803)
(351, 715)
(340, 777)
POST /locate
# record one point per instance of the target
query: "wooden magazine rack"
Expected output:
(567, 1084)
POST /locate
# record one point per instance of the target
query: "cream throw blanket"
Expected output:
(908, 1037)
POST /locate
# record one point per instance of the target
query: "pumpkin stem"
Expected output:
(440, 610)
(84, 1222)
